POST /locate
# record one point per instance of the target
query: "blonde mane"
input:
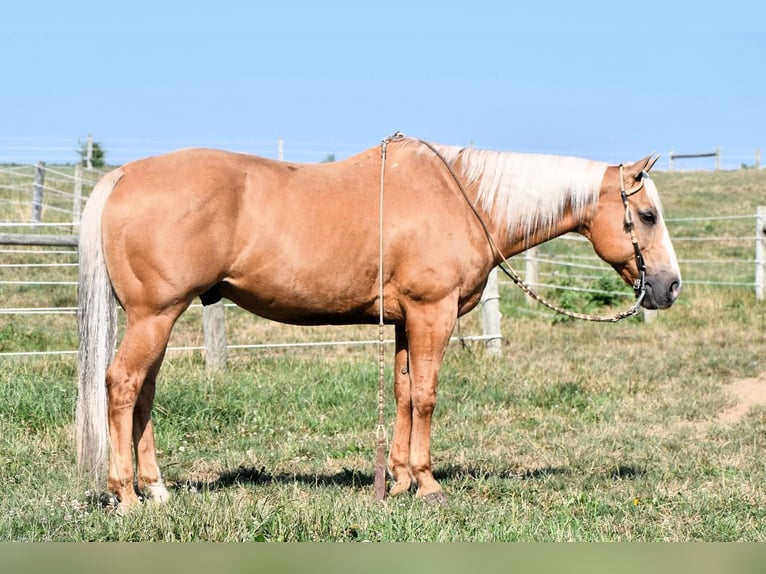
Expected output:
(527, 192)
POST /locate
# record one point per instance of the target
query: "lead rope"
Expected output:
(380, 457)
(639, 287)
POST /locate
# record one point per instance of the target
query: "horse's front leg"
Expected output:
(399, 456)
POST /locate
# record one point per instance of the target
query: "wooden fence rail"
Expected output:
(38, 239)
(716, 154)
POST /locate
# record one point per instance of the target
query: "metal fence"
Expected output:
(38, 250)
(544, 264)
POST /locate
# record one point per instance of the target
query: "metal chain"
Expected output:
(511, 273)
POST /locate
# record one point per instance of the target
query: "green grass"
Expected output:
(580, 431)
(560, 440)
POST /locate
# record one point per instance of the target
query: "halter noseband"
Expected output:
(639, 285)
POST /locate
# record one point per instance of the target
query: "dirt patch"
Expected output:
(748, 393)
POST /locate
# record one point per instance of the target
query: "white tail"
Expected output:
(97, 327)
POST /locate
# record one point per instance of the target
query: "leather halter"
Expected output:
(639, 285)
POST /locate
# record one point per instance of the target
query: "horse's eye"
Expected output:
(648, 217)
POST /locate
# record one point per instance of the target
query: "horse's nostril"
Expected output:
(675, 290)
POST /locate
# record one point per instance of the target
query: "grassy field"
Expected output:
(581, 431)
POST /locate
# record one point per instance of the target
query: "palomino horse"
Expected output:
(302, 244)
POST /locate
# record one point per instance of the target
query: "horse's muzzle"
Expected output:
(662, 289)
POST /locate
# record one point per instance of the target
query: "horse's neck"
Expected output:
(530, 198)
(512, 241)
(524, 199)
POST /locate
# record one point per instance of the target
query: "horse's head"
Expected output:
(628, 232)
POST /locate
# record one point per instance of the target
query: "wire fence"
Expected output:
(565, 267)
(47, 275)
(120, 150)
(40, 281)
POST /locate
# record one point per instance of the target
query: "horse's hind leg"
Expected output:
(130, 381)
(399, 457)
(149, 477)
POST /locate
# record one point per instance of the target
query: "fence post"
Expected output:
(37, 192)
(490, 315)
(214, 333)
(649, 315)
(760, 253)
(89, 152)
(717, 159)
(531, 270)
(77, 201)
(757, 159)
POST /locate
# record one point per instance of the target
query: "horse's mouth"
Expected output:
(661, 292)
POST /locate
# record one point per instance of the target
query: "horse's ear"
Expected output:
(652, 160)
(636, 170)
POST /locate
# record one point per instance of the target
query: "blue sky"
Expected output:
(608, 80)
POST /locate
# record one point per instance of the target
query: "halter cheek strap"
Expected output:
(639, 285)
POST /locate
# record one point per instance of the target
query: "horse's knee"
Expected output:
(424, 401)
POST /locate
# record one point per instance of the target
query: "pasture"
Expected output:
(590, 432)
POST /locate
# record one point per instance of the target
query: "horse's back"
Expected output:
(292, 242)
(179, 223)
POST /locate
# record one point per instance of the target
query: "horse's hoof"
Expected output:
(437, 498)
(108, 501)
(399, 487)
(156, 492)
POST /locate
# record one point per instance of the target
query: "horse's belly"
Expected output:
(318, 304)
